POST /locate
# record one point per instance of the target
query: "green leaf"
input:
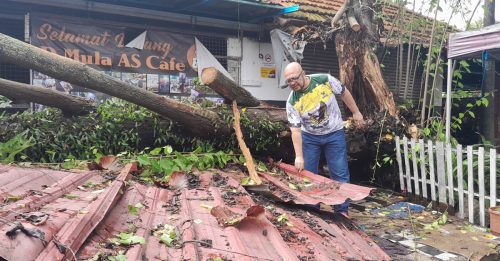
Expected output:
(71, 196)
(132, 210)
(130, 239)
(155, 152)
(143, 160)
(261, 166)
(485, 102)
(167, 235)
(472, 114)
(247, 181)
(427, 131)
(167, 149)
(283, 218)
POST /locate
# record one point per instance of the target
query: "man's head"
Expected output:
(295, 77)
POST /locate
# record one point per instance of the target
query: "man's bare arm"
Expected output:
(351, 104)
(297, 146)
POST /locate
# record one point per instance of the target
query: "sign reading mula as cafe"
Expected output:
(165, 61)
(104, 46)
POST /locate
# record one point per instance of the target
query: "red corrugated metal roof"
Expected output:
(308, 188)
(85, 210)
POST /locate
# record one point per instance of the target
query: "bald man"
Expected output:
(316, 123)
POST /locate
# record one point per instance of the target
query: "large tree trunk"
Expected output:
(70, 105)
(199, 122)
(227, 88)
(359, 66)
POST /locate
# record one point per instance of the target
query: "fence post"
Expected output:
(441, 172)
(449, 171)
(422, 168)
(480, 178)
(432, 177)
(470, 183)
(415, 166)
(400, 164)
(493, 177)
(460, 182)
(407, 164)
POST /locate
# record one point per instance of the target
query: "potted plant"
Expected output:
(495, 220)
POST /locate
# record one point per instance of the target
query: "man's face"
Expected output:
(295, 80)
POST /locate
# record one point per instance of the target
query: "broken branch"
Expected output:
(227, 88)
(353, 22)
(244, 149)
(339, 13)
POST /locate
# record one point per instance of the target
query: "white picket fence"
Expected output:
(436, 170)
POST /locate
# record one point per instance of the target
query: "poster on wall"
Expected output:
(267, 72)
(163, 65)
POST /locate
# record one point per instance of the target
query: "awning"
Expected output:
(248, 11)
(471, 44)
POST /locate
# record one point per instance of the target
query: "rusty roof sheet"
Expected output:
(84, 210)
(396, 19)
(308, 188)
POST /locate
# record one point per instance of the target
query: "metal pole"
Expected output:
(448, 99)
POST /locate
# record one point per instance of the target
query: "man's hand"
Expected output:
(358, 119)
(299, 163)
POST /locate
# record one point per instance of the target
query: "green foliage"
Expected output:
(117, 127)
(132, 209)
(4, 102)
(167, 235)
(127, 239)
(436, 126)
(13, 147)
(259, 135)
(283, 218)
(160, 163)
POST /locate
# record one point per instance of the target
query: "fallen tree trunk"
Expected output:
(69, 105)
(359, 67)
(199, 122)
(227, 88)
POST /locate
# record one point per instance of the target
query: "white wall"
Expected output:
(256, 57)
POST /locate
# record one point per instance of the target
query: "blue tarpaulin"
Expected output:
(398, 210)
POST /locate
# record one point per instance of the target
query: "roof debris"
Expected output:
(203, 216)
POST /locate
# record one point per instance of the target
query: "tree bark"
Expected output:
(359, 67)
(69, 105)
(244, 149)
(197, 121)
(227, 88)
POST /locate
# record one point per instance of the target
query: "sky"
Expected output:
(457, 20)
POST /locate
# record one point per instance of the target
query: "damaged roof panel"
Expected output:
(211, 215)
(307, 188)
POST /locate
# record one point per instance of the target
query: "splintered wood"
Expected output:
(244, 149)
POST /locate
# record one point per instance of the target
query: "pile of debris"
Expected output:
(110, 215)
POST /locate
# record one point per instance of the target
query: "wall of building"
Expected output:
(257, 69)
